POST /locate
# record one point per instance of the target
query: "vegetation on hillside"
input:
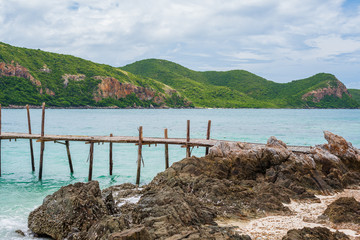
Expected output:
(173, 82)
(76, 93)
(212, 89)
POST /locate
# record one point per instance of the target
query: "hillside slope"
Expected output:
(30, 76)
(212, 89)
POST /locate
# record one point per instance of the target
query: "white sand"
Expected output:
(305, 215)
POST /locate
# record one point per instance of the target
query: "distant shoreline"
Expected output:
(115, 107)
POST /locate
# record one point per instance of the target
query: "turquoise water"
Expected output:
(21, 192)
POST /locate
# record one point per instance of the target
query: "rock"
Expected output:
(20, 232)
(135, 233)
(344, 209)
(317, 233)
(73, 208)
(338, 146)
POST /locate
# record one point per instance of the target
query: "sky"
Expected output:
(275, 39)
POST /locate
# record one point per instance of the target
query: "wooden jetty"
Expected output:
(140, 140)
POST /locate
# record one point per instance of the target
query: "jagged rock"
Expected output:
(344, 209)
(237, 180)
(73, 208)
(317, 233)
(135, 233)
(338, 146)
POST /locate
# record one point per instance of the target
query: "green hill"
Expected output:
(212, 89)
(30, 76)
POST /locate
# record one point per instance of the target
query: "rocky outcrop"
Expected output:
(319, 94)
(71, 210)
(111, 87)
(235, 181)
(73, 77)
(45, 69)
(344, 210)
(317, 233)
(16, 70)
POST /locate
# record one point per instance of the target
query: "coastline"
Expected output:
(116, 107)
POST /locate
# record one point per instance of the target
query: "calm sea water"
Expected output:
(21, 192)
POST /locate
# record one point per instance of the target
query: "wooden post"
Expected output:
(166, 149)
(67, 144)
(42, 142)
(111, 157)
(139, 156)
(91, 161)
(188, 139)
(0, 140)
(31, 145)
(208, 136)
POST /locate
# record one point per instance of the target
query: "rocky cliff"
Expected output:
(16, 70)
(317, 95)
(111, 87)
(236, 182)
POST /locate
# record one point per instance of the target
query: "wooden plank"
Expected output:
(139, 156)
(30, 140)
(42, 147)
(91, 161)
(67, 144)
(110, 157)
(208, 136)
(188, 154)
(166, 149)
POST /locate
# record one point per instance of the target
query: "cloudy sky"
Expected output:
(278, 40)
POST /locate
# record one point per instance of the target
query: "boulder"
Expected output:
(344, 210)
(73, 208)
(317, 233)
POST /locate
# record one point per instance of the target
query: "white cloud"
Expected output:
(266, 36)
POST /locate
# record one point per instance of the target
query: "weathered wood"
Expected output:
(188, 154)
(30, 140)
(67, 144)
(139, 156)
(42, 147)
(208, 136)
(166, 149)
(91, 161)
(110, 157)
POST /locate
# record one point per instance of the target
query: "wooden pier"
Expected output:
(140, 140)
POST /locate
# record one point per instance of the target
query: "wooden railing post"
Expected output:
(208, 136)
(166, 149)
(30, 140)
(139, 156)
(67, 144)
(42, 142)
(188, 139)
(110, 157)
(91, 161)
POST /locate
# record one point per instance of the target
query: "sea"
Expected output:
(21, 191)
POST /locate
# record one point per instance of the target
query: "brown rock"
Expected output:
(72, 208)
(135, 233)
(317, 233)
(342, 210)
(319, 94)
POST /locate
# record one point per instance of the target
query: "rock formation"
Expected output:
(235, 181)
(343, 210)
(316, 233)
(319, 94)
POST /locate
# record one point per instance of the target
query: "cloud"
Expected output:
(280, 40)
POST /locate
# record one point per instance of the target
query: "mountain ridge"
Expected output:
(29, 76)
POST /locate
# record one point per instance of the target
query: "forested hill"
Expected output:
(239, 88)
(29, 76)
